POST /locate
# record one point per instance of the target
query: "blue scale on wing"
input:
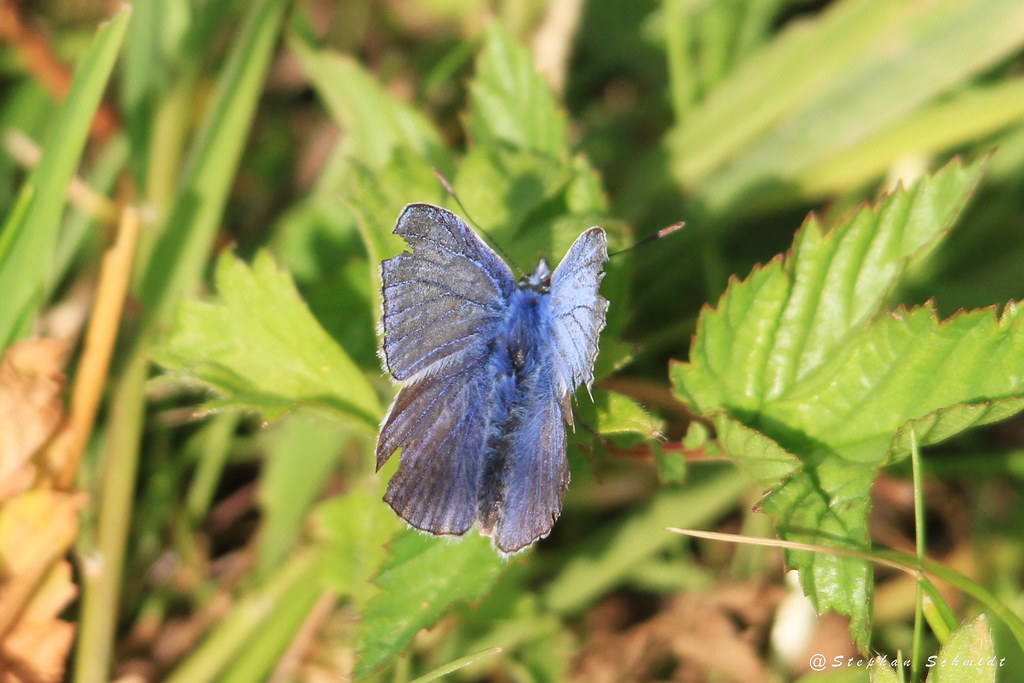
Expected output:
(537, 473)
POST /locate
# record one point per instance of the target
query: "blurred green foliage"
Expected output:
(271, 145)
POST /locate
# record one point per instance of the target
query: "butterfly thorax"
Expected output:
(539, 280)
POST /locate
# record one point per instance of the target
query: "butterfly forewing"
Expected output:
(578, 311)
(446, 298)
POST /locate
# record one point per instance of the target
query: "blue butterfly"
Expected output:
(489, 367)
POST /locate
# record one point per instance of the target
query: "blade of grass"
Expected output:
(177, 264)
(184, 245)
(210, 447)
(28, 238)
(81, 226)
(918, 643)
(102, 567)
(456, 664)
(614, 554)
(269, 644)
(967, 116)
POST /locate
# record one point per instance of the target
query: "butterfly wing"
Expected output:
(443, 304)
(577, 314)
(445, 299)
(537, 474)
(440, 421)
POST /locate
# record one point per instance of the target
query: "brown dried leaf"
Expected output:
(694, 636)
(36, 530)
(31, 391)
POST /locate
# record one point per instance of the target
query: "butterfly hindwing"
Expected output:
(537, 473)
(440, 422)
(443, 300)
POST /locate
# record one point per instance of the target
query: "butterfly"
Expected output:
(489, 366)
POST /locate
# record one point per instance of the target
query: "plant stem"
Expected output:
(102, 569)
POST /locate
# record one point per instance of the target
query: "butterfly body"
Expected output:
(518, 372)
(490, 366)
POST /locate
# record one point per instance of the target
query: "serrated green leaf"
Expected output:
(619, 414)
(510, 103)
(508, 185)
(800, 355)
(778, 325)
(968, 657)
(259, 346)
(951, 420)
(423, 577)
(28, 237)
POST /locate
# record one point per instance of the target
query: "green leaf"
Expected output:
(353, 529)
(506, 186)
(968, 657)
(828, 83)
(259, 346)
(773, 329)
(28, 238)
(801, 355)
(417, 585)
(619, 414)
(510, 103)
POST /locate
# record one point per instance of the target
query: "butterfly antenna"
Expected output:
(664, 232)
(451, 190)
